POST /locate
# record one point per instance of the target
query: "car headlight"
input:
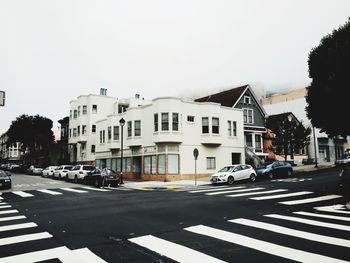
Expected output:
(222, 175)
(7, 180)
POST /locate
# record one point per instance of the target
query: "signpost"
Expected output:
(2, 98)
(195, 154)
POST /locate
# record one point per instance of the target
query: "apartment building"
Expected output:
(10, 153)
(159, 138)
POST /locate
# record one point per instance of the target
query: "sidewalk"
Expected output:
(311, 167)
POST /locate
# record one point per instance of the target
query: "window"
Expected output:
(247, 100)
(155, 119)
(248, 116)
(205, 125)
(173, 164)
(129, 128)
(109, 133)
(211, 163)
(75, 114)
(78, 110)
(83, 130)
(149, 164)
(93, 128)
(78, 130)
(234, 128)
(74, 132)
(84, 109)
(229, 128)
(116, 133)
(258, 141)
(137, 128)
(93, 147)
(190, 118)
(248, 140)
(70, 114)
(70, 133)
(175, 121)
(161, 164)
(94, 108)
(165, 121)
(102, 136)
(215, 125)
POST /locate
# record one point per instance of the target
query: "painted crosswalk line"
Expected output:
(339, 209)
(310, 222)
(96, 189)
(342, 218)
(236, 191)
(24, 238)
(201, 187)
(292, 232)
(281, 195)
(4, 206)
(22, 194)
(10, 218)
(50, 192)
(13, 211)
(213, 190)
(74, 190)
(17, 226)
(258, 193)
(263, 246)
(172, 250)
(311, 200)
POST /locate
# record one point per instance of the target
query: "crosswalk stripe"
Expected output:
(24, 238)
(3, 203)
(172, 250)
(292, 232)
(96, 189)
(263, 246)
(311, 200)
(342, 218)
(235, 191)
(50, 192)
(81, 254)
(22, 194)
(8, 212)
(201, 187)
(333, 209)
(17, 226)
(258, 193)
(281, 195)
(310, 222)
(74, 190)
(213, 190)
(10, 218)
(5, 206)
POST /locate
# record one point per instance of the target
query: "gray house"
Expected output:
(254, 115)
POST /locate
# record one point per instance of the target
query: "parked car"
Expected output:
(277, 168)
(230, 174)
(94, 178)
(49, 171)
(343, 162)
(5, 180)
(344, 177)
(61, 171)
(78, 172)
(35, 170)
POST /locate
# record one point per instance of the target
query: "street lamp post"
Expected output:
(313, 130)
(121, 122)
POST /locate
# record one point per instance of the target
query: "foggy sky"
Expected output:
(53, 51)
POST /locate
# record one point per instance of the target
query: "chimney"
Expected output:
(103, 92)
(137, 96)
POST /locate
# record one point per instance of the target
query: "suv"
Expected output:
(61, 171)
(78, 172)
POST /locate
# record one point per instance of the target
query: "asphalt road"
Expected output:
(132, 225)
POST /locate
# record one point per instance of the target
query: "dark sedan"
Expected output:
(94, 178)
(5, 180)
(277, 168)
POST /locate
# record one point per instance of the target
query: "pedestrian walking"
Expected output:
(104, 174)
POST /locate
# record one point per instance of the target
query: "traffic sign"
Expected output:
(2, 98)
(195, 153)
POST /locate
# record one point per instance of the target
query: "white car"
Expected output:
(61, 171)
(78, 172)
(343, 162)
(49, 171)
(230, 174)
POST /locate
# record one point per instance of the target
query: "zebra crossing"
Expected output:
(10, 228)
(263, 234)
(282, 196)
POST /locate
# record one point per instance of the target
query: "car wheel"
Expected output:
(76, 179)
(252, 177)
(96, 183)
(230, 180)
(270, 175)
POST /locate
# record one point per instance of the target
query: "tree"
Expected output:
(35, 136)
(329, 68)
(290, 134)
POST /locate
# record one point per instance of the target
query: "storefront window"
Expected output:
(98, 163)
(161, 164)
(173, 164)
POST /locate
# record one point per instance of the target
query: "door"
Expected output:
(237, 173)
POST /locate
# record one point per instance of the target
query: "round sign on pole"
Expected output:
(195, 153)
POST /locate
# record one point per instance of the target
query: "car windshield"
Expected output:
(226, 169)
(2, 174)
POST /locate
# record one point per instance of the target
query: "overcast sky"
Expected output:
(53, 51)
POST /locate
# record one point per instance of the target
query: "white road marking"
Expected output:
(342, 218)
(311, 200)
(236, 191)
(8, 212)
(24, 238)
(74, 190)
(17, 226)
(213, 190)
(333, 208)
(50, 192)
(259, 193)
(263, 246)
(310, 222)
(292, 232)
(78, 255)
(3, 203)
(281, 195)
(4, 206)
(120, 188)
(22, 194)
(201, 187)
(96, 189)
(10, 218)
(172, 250)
